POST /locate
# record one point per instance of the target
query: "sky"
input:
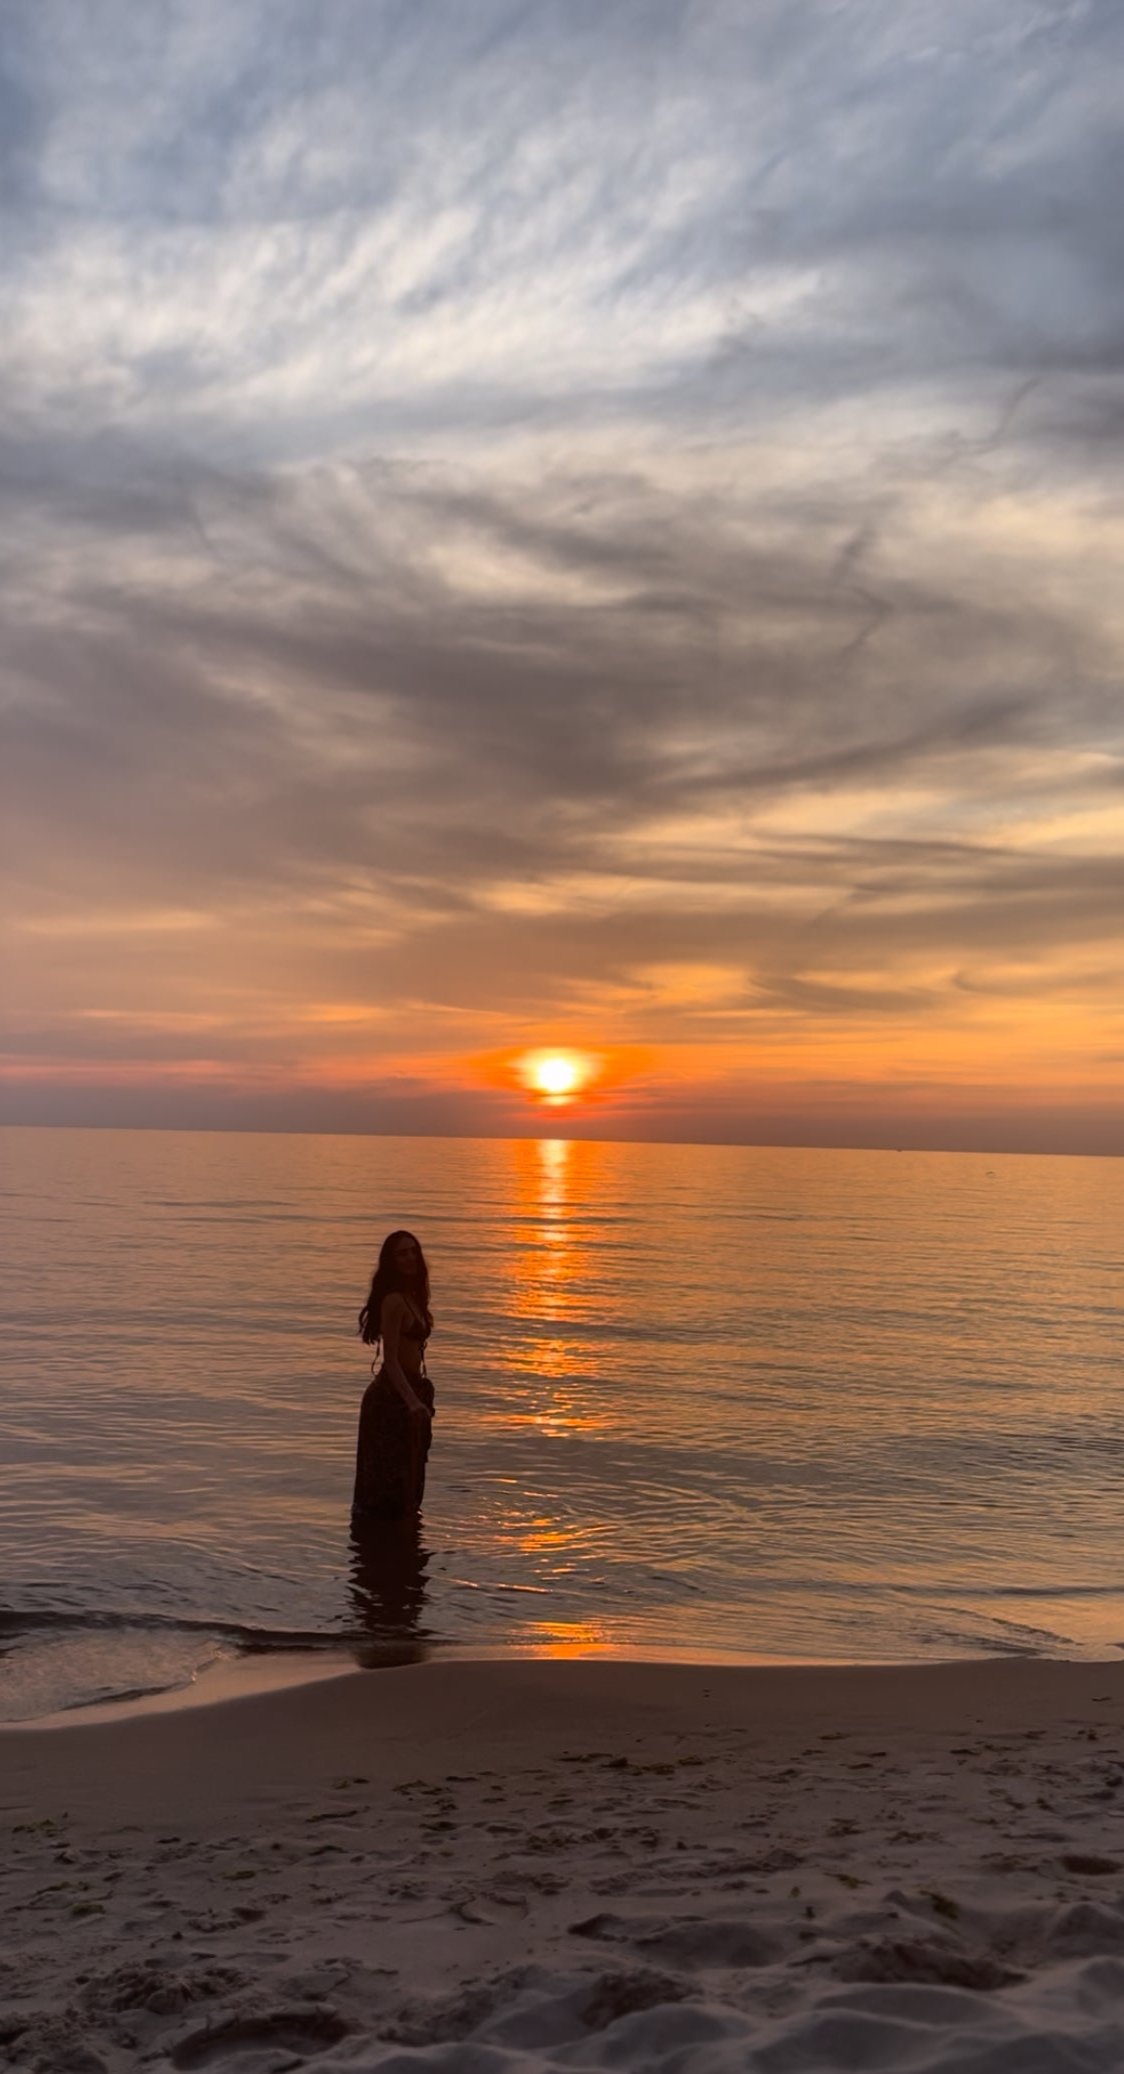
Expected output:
(565, 527)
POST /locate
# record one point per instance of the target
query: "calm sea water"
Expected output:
(721, 1402)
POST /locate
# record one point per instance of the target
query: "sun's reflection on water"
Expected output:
(552, 1363)
(571, 1638)
(550, 1294)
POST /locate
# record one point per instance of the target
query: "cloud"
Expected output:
(504, 508)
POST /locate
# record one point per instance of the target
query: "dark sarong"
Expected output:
(391, 1453)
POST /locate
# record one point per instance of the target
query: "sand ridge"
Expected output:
(507, 1868)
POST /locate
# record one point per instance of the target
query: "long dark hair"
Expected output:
(385, 1281)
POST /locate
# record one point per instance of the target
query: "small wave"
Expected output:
(72, 1665)
(499, 1585)
(972, 1626)
(124, 1697)
(26, 1625)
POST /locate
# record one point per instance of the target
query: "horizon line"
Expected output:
(786, 1144)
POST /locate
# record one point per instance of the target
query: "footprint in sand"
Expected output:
(300, 2031)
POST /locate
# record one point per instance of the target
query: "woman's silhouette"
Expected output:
(396, 1416)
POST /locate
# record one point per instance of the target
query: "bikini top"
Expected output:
(413, 1328)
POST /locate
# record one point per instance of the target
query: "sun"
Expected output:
(555, 1074)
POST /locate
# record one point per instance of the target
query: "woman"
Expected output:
(396, 1416)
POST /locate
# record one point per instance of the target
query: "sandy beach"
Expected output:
(534, 1865)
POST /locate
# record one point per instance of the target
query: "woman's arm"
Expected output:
(394, 1310)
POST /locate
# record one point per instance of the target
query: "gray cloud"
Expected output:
(523, 739)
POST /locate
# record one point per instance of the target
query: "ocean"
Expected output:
(708, 1402)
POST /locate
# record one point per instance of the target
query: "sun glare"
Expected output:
(555, 1074)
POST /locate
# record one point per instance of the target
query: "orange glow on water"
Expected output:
(568, 1638)
(555, 1360)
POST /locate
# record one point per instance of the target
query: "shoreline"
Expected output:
(537, 1706)
(230, 1678)
(532, 1866)
(258, 1673)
